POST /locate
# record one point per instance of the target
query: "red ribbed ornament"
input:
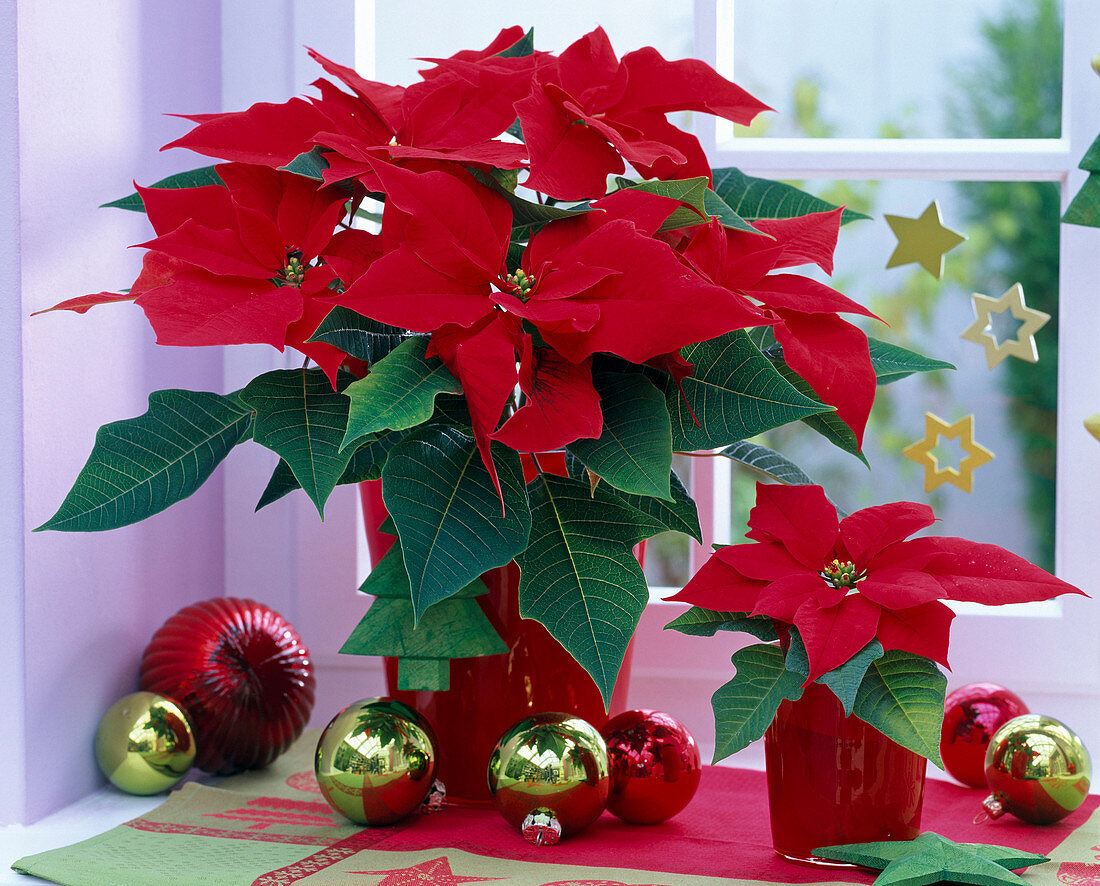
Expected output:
(240, 671)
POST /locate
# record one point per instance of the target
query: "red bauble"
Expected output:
(240, 671)
(971, 715)
(655, 766)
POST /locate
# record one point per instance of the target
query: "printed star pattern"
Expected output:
(435, 872)
(963, 431)
(931, 858)
(923, 240)
(1023, 345)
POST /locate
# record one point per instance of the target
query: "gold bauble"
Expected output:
(553, 768)
(1037, 768)
(144, 743)
(376, 761)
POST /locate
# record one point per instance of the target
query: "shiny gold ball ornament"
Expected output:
(376, 761)
(144, 743)
(1037, 768)
(549, 776)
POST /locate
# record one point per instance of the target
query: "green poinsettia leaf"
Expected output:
(302, 419)
(699, 622)
(931, 858)
(192, 178)
(366, 464)
(579, 576)
(767, 462)
(634, 451)
(754, 198)
(826, 422)
(399, 392)
(140, 466)
(311, 164)
(524, 46)
(526, 215)
(678, 515)
(448, 513)
(893, 362)
(845, 680)
(359, 336)
(735, 392)
(796, 659)
(902, 696)
(704, 203)
(389, 578)
(746, 705)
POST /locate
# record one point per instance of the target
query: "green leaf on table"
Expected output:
(579, 576)
(366, 464)
(310, 164)
(754, 198)
(845, 680)
(399, 392)
(746, 705)
(359, 336)
(893, 362)
(447, 511)
(140, 466)
(699, 622)
(634, 451)
(302, 419)
(931, 858)
(678, 515)
(902, 696)
(767, 462)
(735, 392)
(192, 178)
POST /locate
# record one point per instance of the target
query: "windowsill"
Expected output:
(92, 815)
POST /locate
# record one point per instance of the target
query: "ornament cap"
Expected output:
(994, 806)
(541, 827)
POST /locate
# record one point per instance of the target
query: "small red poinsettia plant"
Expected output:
(854, 603)
(554, 265)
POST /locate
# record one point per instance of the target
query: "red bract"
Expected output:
(590, 111)
(845, 582)
(455, 114)
(829, 353)
(598, 282)
(235, 264)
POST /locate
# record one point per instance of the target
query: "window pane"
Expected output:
(426, 28)
(1012, 231)
(869, 69)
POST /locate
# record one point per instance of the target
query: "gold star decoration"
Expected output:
(923, 240)
(1022, 345)
(963, 431)
(1092, 425)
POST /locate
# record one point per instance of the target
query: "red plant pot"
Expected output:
(491, 693)
(833, 779)
(241, 673)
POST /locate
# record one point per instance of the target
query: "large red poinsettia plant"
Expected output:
(854, 604)
(555, 265)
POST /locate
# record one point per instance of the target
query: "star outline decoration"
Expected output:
(931, 858)
(923, 240)
(961, 430)
(1022, 345)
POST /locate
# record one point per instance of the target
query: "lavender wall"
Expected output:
(94, 81)
(11, 443)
